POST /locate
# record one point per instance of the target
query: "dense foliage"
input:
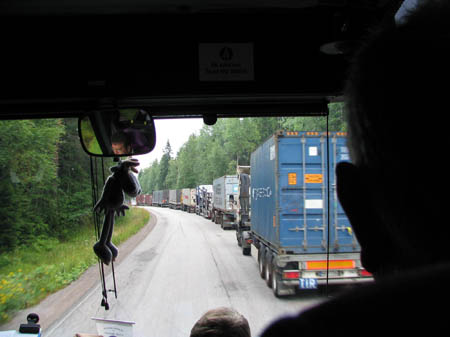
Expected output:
(45, 181)
(217, 149)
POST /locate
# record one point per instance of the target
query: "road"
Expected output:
(184, 267)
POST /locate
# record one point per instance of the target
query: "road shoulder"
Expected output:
(56, 305)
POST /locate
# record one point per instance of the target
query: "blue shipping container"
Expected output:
(291, 208)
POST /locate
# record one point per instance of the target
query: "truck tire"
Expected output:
(247, 251)
(261, 262)
(275, 281)
(269, 273)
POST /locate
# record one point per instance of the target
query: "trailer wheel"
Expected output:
(275, 281)
(269, 273)
(261, 262)
(247, 251)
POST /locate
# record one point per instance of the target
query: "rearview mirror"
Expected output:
(117, 133)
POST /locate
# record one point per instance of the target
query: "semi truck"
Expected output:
(188, 197)
(225, 191)
(204, 200)
(144, 200)
(297, 224)
(175, 197)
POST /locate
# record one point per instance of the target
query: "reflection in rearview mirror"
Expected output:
(88, 139)
(124, 132)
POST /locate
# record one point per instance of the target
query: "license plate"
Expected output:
(308, 283)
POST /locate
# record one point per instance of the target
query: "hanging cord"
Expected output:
(328, 205)
(97, 219)
(112, 262)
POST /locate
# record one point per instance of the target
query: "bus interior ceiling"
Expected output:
(178, 59)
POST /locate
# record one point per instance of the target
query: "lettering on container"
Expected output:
(262, 192)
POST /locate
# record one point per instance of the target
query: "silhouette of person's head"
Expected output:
(221, 322)
(396, 101)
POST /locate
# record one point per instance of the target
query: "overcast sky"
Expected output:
(177, 131)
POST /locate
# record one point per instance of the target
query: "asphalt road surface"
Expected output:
(185, 266)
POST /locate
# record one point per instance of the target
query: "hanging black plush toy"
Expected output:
(111, 202)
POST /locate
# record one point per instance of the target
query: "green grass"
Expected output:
(31, 273)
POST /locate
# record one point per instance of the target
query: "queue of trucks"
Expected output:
(285, 205)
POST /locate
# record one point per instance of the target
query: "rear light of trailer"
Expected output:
(249, 241)
(365, 273)
(291, 275)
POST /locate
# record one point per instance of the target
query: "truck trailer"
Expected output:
(144, 200)
(225, 199)
(175, 197)
(303, 237)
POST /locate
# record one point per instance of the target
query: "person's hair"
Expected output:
(120, 137)
(221, 322)
(396, 101)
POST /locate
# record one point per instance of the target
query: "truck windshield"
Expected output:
(242, 214)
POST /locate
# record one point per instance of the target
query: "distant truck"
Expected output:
(204, 200)
(188, 197)
(144, 200)
(175, 198)
(225, 199)
(297, 224)
(160, 198)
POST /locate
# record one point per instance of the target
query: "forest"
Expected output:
(45, 181)
(217, 149)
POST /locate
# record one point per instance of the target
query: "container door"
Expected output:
(193, 197)
(302, 181)
(342, 238)
(232, 190)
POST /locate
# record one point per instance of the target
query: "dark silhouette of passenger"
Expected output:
(395, 191)
(221, 322)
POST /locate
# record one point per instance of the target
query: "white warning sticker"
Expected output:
(226, 62)
(272, 152)
(314, 204)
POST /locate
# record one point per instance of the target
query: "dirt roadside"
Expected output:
(57, 304)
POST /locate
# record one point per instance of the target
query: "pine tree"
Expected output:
(164, 166)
